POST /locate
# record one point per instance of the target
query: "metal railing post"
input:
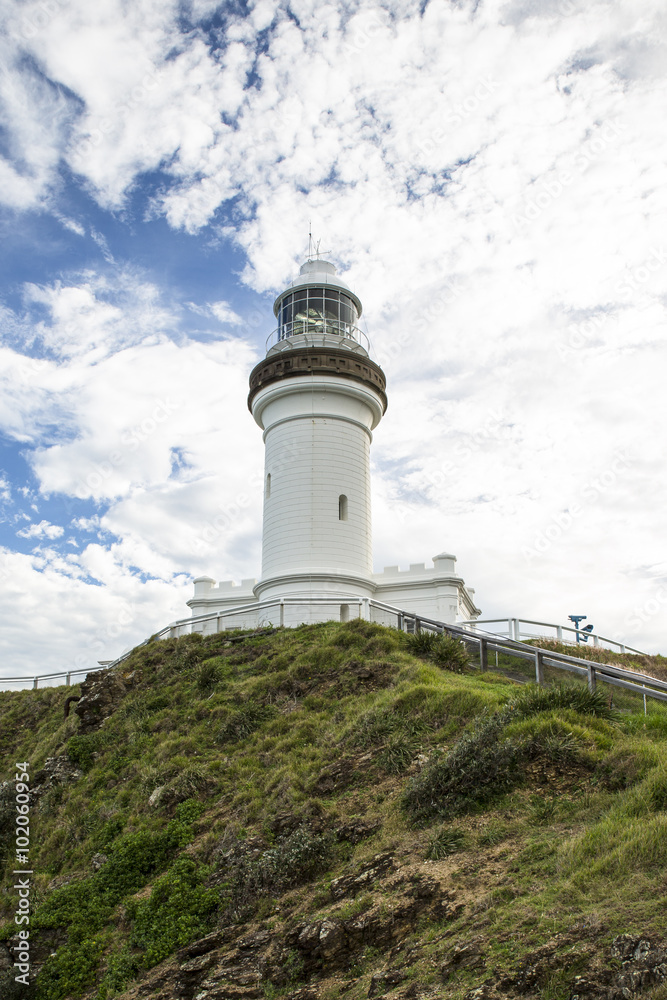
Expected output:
(35, 683)
(282, 612)
(592, 679)
(539, 673)
(517, 630)
(418, 625)
(67, 682)
(559, 632)
(483, 655)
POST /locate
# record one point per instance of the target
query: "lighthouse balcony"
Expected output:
(322, 333)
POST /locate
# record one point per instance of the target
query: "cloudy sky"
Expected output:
(490, 178)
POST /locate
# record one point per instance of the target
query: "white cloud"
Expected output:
(224, 313)
(42, 530)
(56, 619)
(221, 310)
(492, 176)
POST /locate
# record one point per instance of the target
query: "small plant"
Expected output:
(421, 643)
(245, 721)
(82, 748)
(557, 745)
(547, 699)
(542, 810)
(492, 834)
(443, 649)
(446, 842)
(398, 753)
(209, 674)
(122, 967)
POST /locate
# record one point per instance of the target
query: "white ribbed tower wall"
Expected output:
(317, 498)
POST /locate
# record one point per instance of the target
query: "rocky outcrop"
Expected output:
(351, 885)
(236, 963)
(101, 694)
(56, 771)
(643, 962)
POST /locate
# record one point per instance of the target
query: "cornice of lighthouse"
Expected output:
(314, 361)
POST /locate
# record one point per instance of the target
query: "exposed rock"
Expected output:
(383, 981)
(644, 964)
(332, 938)
(357, 830)
(351, 885)
(466, 954)
(332, 943)
(335, 778)
(97, 861)
(154, 798)
(101, 693)
(56, 771)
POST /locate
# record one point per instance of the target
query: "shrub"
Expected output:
(294, 860)
(69, 971)
(122, 967)
(81, 749)
(483, 764)
(179, 909)
(451, 654)
(85, 906)
(480, 766)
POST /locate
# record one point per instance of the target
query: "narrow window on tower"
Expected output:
(267, 492)
(342, 507)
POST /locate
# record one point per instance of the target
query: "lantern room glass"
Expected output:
(317, 310)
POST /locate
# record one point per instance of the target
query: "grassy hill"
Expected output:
(336, 811)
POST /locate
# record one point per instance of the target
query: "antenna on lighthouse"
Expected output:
(317, 253)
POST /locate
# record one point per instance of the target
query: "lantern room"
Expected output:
(318, 305)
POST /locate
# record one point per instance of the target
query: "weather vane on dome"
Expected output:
(317, 253)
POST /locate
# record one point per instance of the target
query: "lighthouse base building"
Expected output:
(318, 396)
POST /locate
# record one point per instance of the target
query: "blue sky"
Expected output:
(491, 180)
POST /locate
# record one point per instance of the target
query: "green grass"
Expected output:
(536, 801)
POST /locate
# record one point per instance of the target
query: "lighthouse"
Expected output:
(317, 396)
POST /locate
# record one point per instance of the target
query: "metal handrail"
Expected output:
(514, 631)
(314, 332)
(467, 631)
(644, 684)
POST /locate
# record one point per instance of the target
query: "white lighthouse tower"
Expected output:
(318, 396)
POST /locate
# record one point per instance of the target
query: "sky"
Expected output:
(490, 179)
